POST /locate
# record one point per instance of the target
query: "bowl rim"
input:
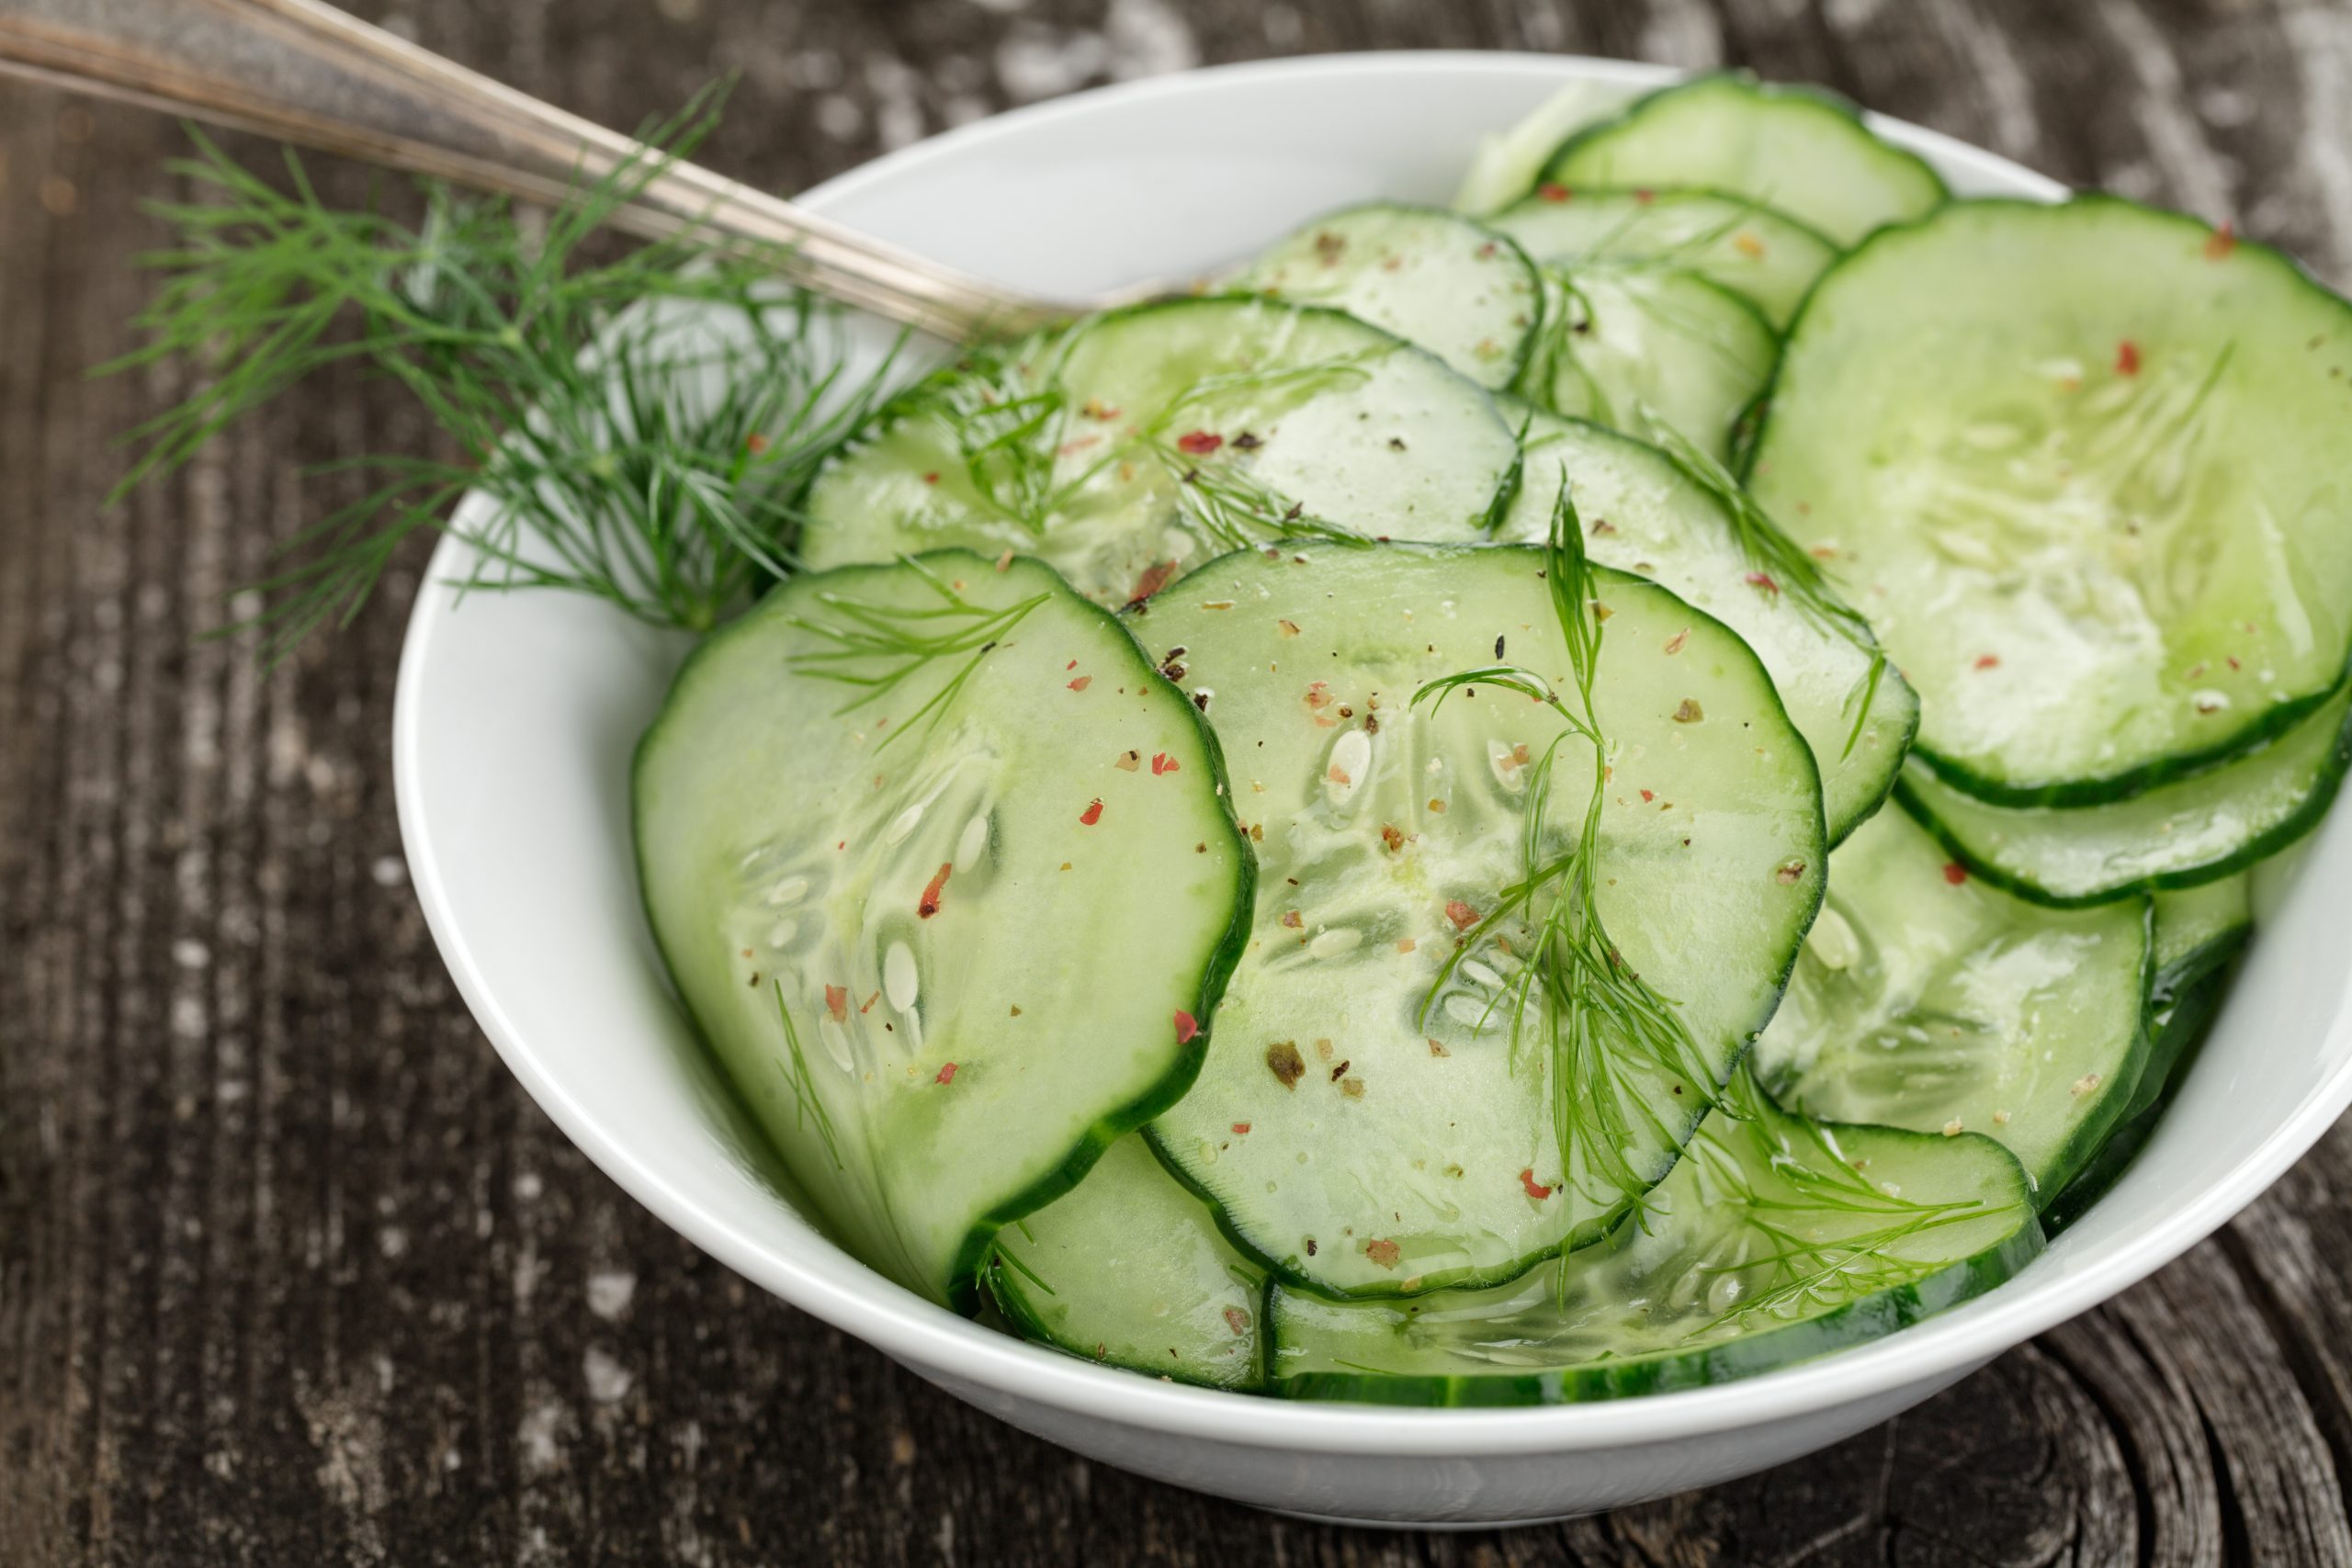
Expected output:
(910, 1328)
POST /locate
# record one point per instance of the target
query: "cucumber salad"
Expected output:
(1578, 798)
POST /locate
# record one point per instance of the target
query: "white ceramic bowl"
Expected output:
(516, 715)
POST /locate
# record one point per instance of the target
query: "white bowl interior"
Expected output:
(517, 714)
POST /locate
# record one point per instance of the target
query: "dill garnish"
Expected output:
(808, 1105)
(1608, 1037)
(905, 638)
(642, 426)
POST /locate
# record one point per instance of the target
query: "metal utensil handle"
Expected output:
(306, 72)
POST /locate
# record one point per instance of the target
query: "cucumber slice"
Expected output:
(2180, 834)
(1773, 1241)
(1797, 149)
(1682, 523)
(891, 829)
(1390, 1152)
(2078, 464)
(1126, 1269)
(2183, 1022)
(2199, 929)
(1141, 442)
(1939, 1005)
(1634, 347)
(1433, 277)
(1767, 257)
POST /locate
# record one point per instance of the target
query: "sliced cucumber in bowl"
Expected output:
(1139, 442)
(864, 818)
(1796, 149)
(1455, 286)
(1763, 256)
(1454, 1060)
(1634, 347)
(2175, 835)
(1126, 1269)
(1774, 1241)
(1677, 518)
(1930, 1001)
(2074, 461)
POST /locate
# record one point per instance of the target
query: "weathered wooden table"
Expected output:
(292, 1272)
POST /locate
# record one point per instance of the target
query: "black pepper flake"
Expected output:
(1311, 1247)
(1396, 443)
(1499, 647)
(1247, 441)
(1284, 1060)
(1338, 1072)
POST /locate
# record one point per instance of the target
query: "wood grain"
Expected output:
(291, 1273)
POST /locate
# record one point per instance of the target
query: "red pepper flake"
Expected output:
(1291, 918)
(1161, 762)
(946, 1073)
(1393, 836)
(1199, 443)
(1081, 682)
(1238, 1320)
(1242, 1128)
(755, 443)
(1551, 190)
(1763, 580)
(1091, 815)
(1072, 665)
(938, 885)
(867, 1005)
(1644, 196)
(2222, 241)
(1462, 916)
(1186, 1027)
(837, 1003)
(1533, 1187)
(1339, 775)
(931, 479)
(1384, 1252)
(1093, 409)
(1153, 579)
(1647, 797)
(1955, 872)
(2127, 358)
(1988, 661)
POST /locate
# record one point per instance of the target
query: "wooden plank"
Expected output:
(291, 1271)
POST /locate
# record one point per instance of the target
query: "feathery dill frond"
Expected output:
(640, 426)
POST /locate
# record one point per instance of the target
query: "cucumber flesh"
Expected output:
(1792, 148)
(1943, 1006)
(1773, 1242)
(1142, 442)
(1632, 347)
(1451, 284)
(1683, 523)
(1765, 257)
(2076, 462)
(909, 927)
(2183, 1023)
(1126, 1269)
(1400, 1141)
(2180, 834)
(2199, 929)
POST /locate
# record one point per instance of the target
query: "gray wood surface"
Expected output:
(292, 1272)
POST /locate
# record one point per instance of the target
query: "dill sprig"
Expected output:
(808, 1105)
(1609, 1034)
(876, 647)
(641, 426)
(1803, 1262)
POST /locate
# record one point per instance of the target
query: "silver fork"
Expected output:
(308, 73)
